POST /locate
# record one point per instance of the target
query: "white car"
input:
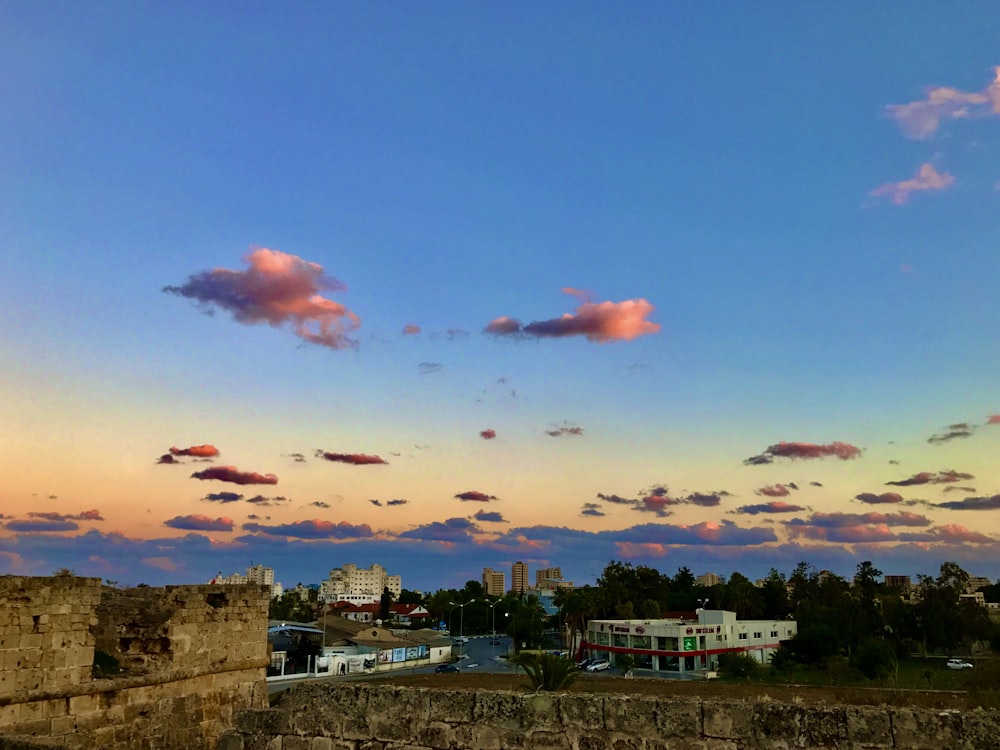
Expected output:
(599, 666)
(958, 664)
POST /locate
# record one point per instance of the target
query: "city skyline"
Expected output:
(455, 287)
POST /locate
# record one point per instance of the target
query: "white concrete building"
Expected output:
(686, 645)
(352, 580)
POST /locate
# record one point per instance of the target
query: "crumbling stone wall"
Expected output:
(339, 716)
(174, 663)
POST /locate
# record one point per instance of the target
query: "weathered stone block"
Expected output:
(635, 715)
(269, 721)
(678, 718)
(540, 712)
(727, 720)
(450, 705)
(580, 710)
(502, 710)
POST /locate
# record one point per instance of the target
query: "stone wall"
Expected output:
(85, 666)
(332, 716)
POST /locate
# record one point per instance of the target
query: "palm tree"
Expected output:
(547, 671)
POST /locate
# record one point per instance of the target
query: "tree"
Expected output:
(774, 594)
(875, 659)
(410, 597)
(385, 605)
(526, 621)
(742, 597)
(547, 671)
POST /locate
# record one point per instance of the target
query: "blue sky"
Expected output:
(797, 205)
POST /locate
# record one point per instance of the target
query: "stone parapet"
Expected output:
(99, 668)
(331, 716)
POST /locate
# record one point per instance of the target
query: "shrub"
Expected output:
(547, 671)
(738, 666)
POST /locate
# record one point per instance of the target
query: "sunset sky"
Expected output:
(443, 286)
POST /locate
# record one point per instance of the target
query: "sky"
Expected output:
(447, 286)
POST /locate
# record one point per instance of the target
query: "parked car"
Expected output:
(445, 668)
(584, 663)
(460, 640)
(472, 666)
(599, 665)
(958, 664)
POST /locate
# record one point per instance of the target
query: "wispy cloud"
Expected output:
(200, 523)
(429, 368)
(971, 503)
(312, 529)
(926, 178)
(489, 516)
(843, 451)
(488, 434)
(223, 497)
(929, 477)
(885, 498)
(564, 430)
(957, 430)
(279, 289)
(87, 515)
(601, 322)
(41, 525)
(268, 502)
(993, 419)
(775, 506)
(234, 475)
(355, 459)
(921, 119)
(475, 496)
(592, 509)
(411, 329)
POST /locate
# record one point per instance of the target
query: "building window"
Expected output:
(602, 639)
(743, 636)
(641, 641)
(620, 640)
(758, 636)
(774, 633)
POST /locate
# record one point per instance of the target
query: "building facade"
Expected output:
(493, 582)
(518, 577)
(355, 581)
(686, 645)
(551, 578)
(708, 580)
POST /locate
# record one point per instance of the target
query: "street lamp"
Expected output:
(461, 619)
(493, 635)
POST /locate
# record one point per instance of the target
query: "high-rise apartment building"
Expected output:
(550, 579)
(708, 580)
(518, 577)
(493, 582)
(350, 582)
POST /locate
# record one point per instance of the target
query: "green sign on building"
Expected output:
(691, 644)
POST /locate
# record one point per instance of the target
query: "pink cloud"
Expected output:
(198, 451)
(597, 321)
(474, 496)
(956, 533)
(234, 475)
(993, 419)
(927, 178)
(313, 529)
(488, 434)
(357, 459)
(279, 289)
(411, 329)
(87, 515)
(166, 458)
(920, 119)
(773, 490)
(843, 451)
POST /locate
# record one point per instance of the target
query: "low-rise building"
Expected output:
(686, 644)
